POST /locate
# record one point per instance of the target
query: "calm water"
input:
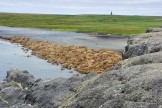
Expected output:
(67, 38)
(12, 56)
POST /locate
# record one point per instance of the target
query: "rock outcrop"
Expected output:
(135, 82)
(31, 93)
(143, 44)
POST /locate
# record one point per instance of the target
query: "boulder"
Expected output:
(20, 76)
(20, 89)
(14, 88)
(143, 44)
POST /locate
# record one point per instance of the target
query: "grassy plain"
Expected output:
(100, 24)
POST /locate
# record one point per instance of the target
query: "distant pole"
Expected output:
(111, 13)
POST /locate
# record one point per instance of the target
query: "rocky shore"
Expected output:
(135, 82)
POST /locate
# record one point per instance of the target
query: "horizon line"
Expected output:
(74, 14)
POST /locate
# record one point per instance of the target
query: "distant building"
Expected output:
(111, 13)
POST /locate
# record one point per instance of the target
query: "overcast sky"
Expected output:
(118, 7)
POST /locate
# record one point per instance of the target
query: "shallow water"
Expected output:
(12, 56)
(67, 38)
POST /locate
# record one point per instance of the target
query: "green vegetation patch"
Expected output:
(100, 24)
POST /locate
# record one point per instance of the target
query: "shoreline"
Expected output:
(133, 82)
(89, 33)
(80, 58)
(68, 38)
(13, 55)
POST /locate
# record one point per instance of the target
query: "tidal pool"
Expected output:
(12, 56)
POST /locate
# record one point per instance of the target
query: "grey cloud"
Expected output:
(129, 7)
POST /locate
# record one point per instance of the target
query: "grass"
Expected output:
(100, 24)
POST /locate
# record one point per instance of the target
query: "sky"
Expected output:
(118, 7)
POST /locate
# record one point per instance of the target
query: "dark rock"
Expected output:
(13, 89)
(136, 50)
(43, 93)
(154, 30)
(143, 44)
(20, 76)
(155, 48)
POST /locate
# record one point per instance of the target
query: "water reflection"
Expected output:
(12, 56)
